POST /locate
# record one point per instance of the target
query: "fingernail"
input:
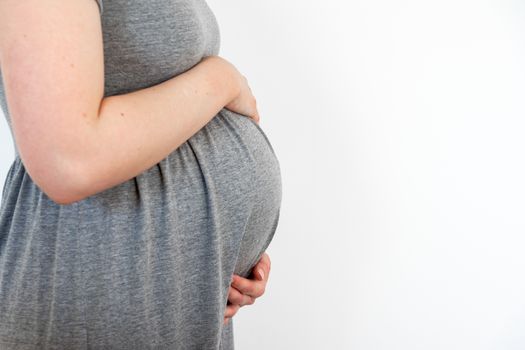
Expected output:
(261, 273)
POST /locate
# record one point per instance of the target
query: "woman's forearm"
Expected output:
(134, 131)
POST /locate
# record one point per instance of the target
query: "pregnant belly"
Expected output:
(163, 244)
(224, 182)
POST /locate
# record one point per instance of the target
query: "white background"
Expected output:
(400, 133)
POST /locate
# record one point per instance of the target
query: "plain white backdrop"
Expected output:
(399, 126)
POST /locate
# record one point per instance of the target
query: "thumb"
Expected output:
(259, 273)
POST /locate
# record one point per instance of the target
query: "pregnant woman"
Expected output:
(142, 180)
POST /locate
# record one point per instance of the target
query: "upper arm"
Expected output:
(51, 57)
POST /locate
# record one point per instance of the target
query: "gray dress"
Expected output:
(145, 264)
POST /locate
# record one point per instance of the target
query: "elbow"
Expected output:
(63, 184)
(66, 193)
(70, 188)
(62, 197)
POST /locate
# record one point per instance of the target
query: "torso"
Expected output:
(147, 262)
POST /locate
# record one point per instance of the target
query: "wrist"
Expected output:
(224, 77)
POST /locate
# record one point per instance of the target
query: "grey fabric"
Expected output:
(146, 264)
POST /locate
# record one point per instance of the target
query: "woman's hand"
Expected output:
(244, 291)
(243, 101)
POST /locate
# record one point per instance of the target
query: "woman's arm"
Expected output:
(135, 131)
(73, 142)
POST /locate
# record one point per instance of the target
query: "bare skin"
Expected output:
(244, 291)
(51, 55)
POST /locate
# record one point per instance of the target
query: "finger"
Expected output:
(249, 287)
(231, 310)
(226, 320)
(265, 259)
(262, 268)
(236, 297)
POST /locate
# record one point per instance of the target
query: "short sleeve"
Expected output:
(100, 6)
